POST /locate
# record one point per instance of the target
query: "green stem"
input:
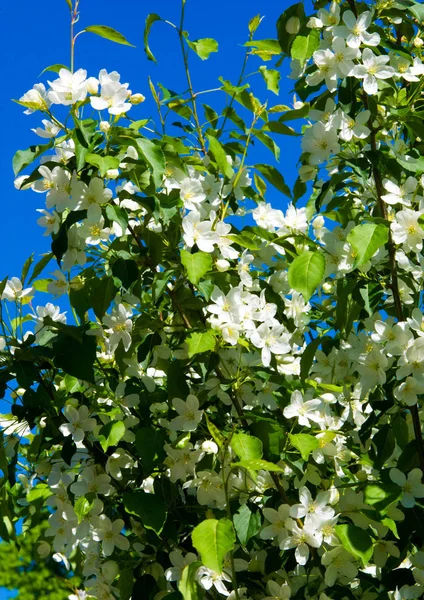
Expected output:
(188, 76)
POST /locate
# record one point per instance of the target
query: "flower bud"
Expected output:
(418, 42)
(222, 265)
(43, 549)
(104, 126)
(293, 25)
(137, 99)
(209, 447)
(92, 85)
(327, 287)
(112, 174)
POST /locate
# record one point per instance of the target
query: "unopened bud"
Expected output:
(418, 42)
(104, 126)
(92, 85)
(137, 99)
(293, 25)
(112, 174)
(43, 549)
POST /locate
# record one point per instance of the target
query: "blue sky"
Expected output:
(37, 35)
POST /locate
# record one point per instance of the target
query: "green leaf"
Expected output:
(417, 9)
(356, 541)
(303, 47)
(196, 265)
(148, 507)
(200, 342)
(383, 445)
(265, 49)
(204, 47)
(306, 273)
(188, 585)
(254, 23)
(213, 539)
(257, 464)
(305, 443)
(382, 495)
(109, 33)
(217, 436)
(126, 271)
(103, 163)
(149, 444)
(274, 177)
(23, 158)
(102, 292)
(40, 266)
(54, 69)
(366, 239)
(117, 214)
(308, 356)
(152, 18)
(26, 267)
(272, 79)
(111, 433)
(246, 523)
(74, 357)
(82, 507)
(415, 165)
(154, 157)
(69, 3)
(220, 156)
(247, 447)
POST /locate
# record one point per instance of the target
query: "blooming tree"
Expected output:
(231, 404)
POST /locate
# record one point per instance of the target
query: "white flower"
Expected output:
(308, 506)
(119, 326)
(343, 57)
(355, 31)
(192, 193)
(51, 221)
(279, 523)
(327, 70)
(35, 99)
(320, 143)
(350, 128)
(50, 129)
(208, 578)
(79, 422)
(91, 196)
(113, 94)
(278, 592)
(339, 562)
(117, 461)
(14, 291)
(92, 230)
(373, 68)
(199, 232)
(272, 339)
(189, 414)
(91, 482)
(411, 486)
(372, 367)
(303, 411)
(178, 563)
(69, 88)
(407, 230)
(301, 539)
(109, 533)
(57, 184)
